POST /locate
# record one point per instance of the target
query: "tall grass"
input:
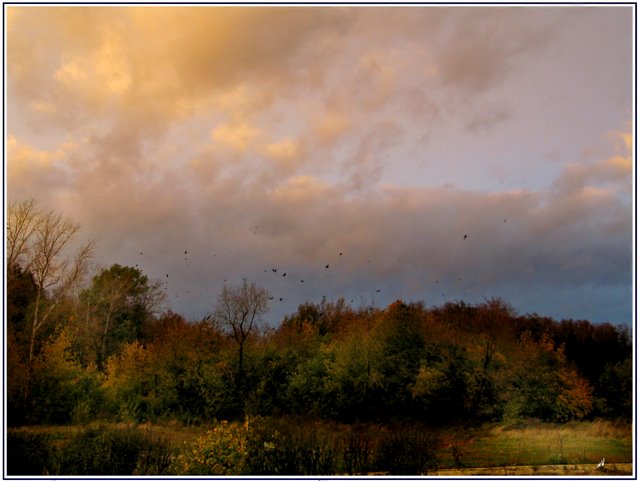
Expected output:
(92, 451)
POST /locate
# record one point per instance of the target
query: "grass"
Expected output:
(534, 443)
(573, 448)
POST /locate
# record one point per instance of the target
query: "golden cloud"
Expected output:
(238, 136)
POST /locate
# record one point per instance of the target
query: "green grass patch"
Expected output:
(537, 443)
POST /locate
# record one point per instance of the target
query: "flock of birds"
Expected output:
(277, 270)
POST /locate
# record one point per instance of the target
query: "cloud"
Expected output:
(238, 136)
(256, 137)
(487, 117)
(611, 174)
(31, 170)
(479, 51)
(286, 155)
(330, 126)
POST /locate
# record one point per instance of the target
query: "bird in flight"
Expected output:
(327, 266)
(465, 236)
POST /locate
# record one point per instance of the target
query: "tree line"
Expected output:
(104, 347)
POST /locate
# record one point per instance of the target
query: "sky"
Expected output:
(424, 153)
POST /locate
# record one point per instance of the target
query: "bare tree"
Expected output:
(39, 241)
(239, 309)
(22, 221)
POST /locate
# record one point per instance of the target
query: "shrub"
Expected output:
(357, 450)
(288, 447)
(28, 453)
(221, 451)
(102, 451)
(407, 450)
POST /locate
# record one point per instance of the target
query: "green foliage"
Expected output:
(267, 381)
(61, 389)
(113, 310)
(306, 387)
(353, 378)
(614, 391)
(400, 334)
(440, 386)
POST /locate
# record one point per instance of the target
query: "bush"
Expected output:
(221, 451)
(407, 450)
(289, 447)
(28, 453)
(102, 451)
(357, 450)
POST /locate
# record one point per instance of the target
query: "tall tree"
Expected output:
(38, 241)
(239, 309)
(114, 308)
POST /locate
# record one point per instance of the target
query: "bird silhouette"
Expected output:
(465, 236)
(284, 274)
(185, 253)
(377, 290)
(327, 266)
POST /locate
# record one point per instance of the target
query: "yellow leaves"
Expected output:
(57, 356)
(130, 364)
(428, 381)
(221, 450)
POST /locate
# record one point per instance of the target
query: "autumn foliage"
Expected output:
(107, 350)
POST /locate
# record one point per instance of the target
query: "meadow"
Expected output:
(304, 446)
